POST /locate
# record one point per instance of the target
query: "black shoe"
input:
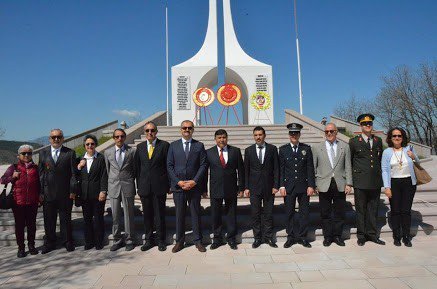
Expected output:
(397, 242)
(115, 247)
(200, 247)
(378, 241)
(233, 245)
(407, 242)
(256, 244)
(32, 250)
(305, 243)
(339, 242)
(162, 247)
(271, 243)
(361, 242)
(147, 246)
(177, 247)
(21, 253)
(289, 243)
(99, 247)
(129, 247)
(70, 247)
(215, 245)
(88, 247)
(46, 249)
(327, 242)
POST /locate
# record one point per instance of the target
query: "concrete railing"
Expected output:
(135, 131)
(77, 140)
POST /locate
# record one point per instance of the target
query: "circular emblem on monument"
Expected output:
(260, 100)
(203, 96)
(229, 94)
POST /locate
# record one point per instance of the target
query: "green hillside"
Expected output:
(8, 150)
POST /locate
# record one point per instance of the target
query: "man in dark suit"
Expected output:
(297, 182)
(261, 167)
(186, 166)
(152, 183)
(57, 169)
(226, 182)
(366, 154)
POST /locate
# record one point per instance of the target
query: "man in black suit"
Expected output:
(297, 182)
(226, 182)
(261, 167)
(186, 166)
(152, 182)
(57, 169)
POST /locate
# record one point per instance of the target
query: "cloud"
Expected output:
(127, 113)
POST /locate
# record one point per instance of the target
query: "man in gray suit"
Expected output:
(121, 189)
(332, 164)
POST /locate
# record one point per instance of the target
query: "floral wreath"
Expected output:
(260, 100)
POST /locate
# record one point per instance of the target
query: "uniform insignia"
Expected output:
(304, 152)
(360, 139)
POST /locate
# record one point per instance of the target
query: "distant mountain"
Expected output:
(8, 150)
(44, 140)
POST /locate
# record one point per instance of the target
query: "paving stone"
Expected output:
(164, 270)
(310, 276)
(220, 268)
(388, 283)
(433, 269)
(276, 267)
(263, 286)
(343, 274)
(300, 257)
(135, 280)
(346, 284)
(284, 277)
(320, 265)
(253, 259)
(401, 271)
(421, 282)
(371, 262)
(251, 278)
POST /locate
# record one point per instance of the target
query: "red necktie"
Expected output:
(222, 159)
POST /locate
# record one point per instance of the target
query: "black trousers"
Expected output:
(332, 211)
(51, 210)
(300, 231)
(366, 207)
(261, 207)
(401, 201)
(193, 199)
(94, 230)
(154, 214)
(25, 216)
(230, 210)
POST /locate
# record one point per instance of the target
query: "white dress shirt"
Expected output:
(225, 153)
(365, 138)
(89, 160)
(56, 152)
(189, 143)
(399, 171)
(296, 145)
(117, 153)
(328, 148)
(153, 144)
(263, 151)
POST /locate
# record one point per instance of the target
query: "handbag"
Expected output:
(6, 200)
(422, 175)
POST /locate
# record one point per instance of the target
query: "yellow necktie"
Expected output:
(151, 148)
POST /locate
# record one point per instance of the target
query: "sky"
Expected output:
(79, 64)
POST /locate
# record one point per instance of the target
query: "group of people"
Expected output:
(155, 168)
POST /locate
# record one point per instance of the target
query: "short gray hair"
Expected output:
(25, 147)
(57, 129)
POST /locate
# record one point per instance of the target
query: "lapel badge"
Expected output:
(360, 139)
(304, 152)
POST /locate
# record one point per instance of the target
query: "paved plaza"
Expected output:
(370, 266)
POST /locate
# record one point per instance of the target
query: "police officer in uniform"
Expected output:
(366, 153)
(297, 181)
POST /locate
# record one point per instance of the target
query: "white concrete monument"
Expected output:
(254, 78)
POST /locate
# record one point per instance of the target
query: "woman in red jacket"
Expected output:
(26, 191)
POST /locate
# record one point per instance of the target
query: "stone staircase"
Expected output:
(424, 216)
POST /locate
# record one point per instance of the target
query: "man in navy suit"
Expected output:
(226, 182)
(186, 166)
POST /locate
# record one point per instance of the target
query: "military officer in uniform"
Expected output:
(366, 154)
(297, 181)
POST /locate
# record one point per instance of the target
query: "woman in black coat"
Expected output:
(93, 180)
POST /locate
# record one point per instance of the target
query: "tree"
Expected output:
(2, 132)
(352, 108)
(408, 98)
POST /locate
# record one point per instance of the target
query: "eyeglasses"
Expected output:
(26, 153)
(56, 137)
(367, 123)
(293, 132)
(330, 131)
(119, 136)
(187, 128)
(90, 144)
(150, 130)
(396, 136)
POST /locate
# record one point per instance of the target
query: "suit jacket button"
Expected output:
(295, 159)
(295, 171)
(295, 165)
(371, 166)
(295, 177)
(285, 180)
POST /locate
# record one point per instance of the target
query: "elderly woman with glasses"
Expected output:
(26, 190)
(93, 181)
(399, 183)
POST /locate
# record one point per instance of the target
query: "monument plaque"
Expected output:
(183, 93)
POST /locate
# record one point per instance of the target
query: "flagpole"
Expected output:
(166, 62)
(298, 59)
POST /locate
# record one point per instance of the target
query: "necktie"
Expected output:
(332, 155)
(120, 158)
(222, 159)
(55, 157)
(368, 143)
(294, 148)
(260, 154)
(151, 148)
(187, 149)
